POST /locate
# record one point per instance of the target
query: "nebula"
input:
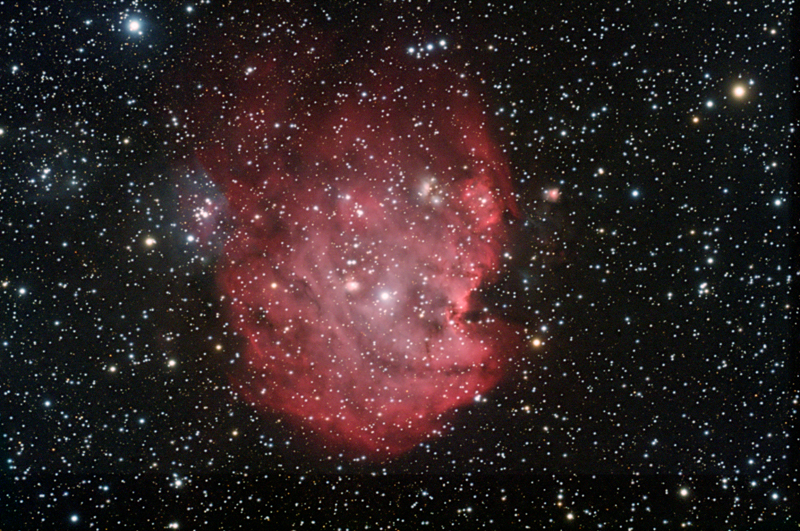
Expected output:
(368, 206)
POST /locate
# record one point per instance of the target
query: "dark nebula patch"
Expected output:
(368, 205)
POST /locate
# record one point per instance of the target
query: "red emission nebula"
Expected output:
(368, 205)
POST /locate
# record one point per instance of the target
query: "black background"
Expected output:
(645, 384)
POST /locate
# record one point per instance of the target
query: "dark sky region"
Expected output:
(397, 265)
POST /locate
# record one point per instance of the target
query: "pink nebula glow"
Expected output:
(368, 206)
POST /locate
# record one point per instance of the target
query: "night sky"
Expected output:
(397, 265)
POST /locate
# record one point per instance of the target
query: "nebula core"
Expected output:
(368, 204)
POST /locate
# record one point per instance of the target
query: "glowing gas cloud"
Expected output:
(368, 204)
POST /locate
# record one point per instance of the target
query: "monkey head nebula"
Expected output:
(368, 205)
